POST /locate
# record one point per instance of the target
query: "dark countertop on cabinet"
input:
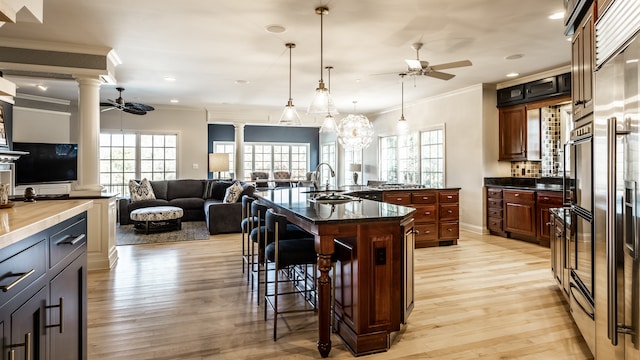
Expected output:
(534, 184)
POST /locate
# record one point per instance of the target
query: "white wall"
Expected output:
(35, 125)
(470, 118)
(189, 124)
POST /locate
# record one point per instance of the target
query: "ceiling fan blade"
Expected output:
(138, 106)
(109, 102)
(440, 75)
(133, 111)
(451, 65)
(107, 109)
(413, 64)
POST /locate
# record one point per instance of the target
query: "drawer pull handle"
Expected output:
(399, 199)
(70, 240)
(27, 347)
(427, 212)
(425, 198)
(450, 197)
(545, 198)
(416, 232)
(61, 313)
(21, 276)
(428, 232)
(517, 194)
(450, 211)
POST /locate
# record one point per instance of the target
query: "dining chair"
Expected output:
(260, 178)
(282, 175)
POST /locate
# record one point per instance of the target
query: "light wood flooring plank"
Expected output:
(486, 298)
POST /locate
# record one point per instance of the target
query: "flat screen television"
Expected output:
(46, 163)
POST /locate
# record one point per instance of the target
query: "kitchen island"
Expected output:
(43, 267)
(373, 244)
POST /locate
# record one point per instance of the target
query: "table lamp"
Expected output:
(218, 162)
(355, 168)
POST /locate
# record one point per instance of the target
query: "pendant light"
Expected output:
(355, 131)
(403, 125)
(290, 115)
(322, 101)
(329, 125)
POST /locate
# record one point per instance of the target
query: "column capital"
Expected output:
(88, 80)
(239, 125)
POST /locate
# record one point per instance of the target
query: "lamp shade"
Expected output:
(355, 167)
(218, 162)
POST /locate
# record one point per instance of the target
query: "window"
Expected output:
(351, 157)
(328, 155)
(126, 156)
(413, 158)
(432, 159)
(269, 157)
(228, 147)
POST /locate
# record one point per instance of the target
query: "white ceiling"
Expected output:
(208, 45)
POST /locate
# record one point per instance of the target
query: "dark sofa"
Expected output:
(198, 199)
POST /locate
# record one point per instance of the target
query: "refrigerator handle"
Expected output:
(612, 282)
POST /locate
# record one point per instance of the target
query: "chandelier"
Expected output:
(355, 131)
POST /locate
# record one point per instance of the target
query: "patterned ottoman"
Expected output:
(157, 218)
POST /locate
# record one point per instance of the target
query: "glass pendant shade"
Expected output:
(322, 102)
(355, 131)
(403, 125)
(290, 115)
(329, 125)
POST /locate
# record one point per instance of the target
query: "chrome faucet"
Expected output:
(316, 176)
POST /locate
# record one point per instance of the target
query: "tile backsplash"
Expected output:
(526, 169)
(550, 133)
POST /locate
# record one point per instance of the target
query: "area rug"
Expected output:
(191, 230)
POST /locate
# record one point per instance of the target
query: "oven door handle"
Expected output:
(612, 276)
(589, 313)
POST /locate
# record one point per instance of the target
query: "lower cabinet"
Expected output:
(520, 212)
(43, 294)
(408, 290)
(544, 201)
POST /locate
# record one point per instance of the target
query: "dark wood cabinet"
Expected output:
(512, 134)
(43, 299)
(494, 211)
(520, 212)
(408, 286)
(511, 95)
(582, 65)
(436, 217)
(541, 88)
(544, 201)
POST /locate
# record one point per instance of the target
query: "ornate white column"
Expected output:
(88, 144)
(239, 128)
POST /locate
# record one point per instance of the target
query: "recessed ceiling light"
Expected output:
(242, 82)
(514, 57)
(557, 16)
(42, 87)
(169, 78)
(275, 29)
(513, 74)
(174, 101)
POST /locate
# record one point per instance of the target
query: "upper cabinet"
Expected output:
(582, 65)
(542, 89)
(519, 134)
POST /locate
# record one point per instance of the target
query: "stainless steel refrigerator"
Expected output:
(616, 182)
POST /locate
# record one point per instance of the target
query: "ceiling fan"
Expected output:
(421, 67)
(128, 107)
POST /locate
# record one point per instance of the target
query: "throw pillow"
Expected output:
(232, 194)
(142, 191)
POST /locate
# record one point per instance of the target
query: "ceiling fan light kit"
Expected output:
(290, 115)
(322, 102)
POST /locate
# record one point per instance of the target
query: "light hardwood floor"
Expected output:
(486, 298)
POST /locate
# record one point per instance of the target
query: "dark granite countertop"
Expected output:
(540, 184)
(300, 201)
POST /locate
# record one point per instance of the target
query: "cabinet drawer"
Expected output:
(425, 213)
(549, 198)
(397, 198)
(495, 203)
(518, 195)
(21, 269)
(424, 197)
(426, 232)
(495, 213)
(448, 196)
(494, 193)
(494, 224)
(449, 230)
(448, 212)
(65, 241)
